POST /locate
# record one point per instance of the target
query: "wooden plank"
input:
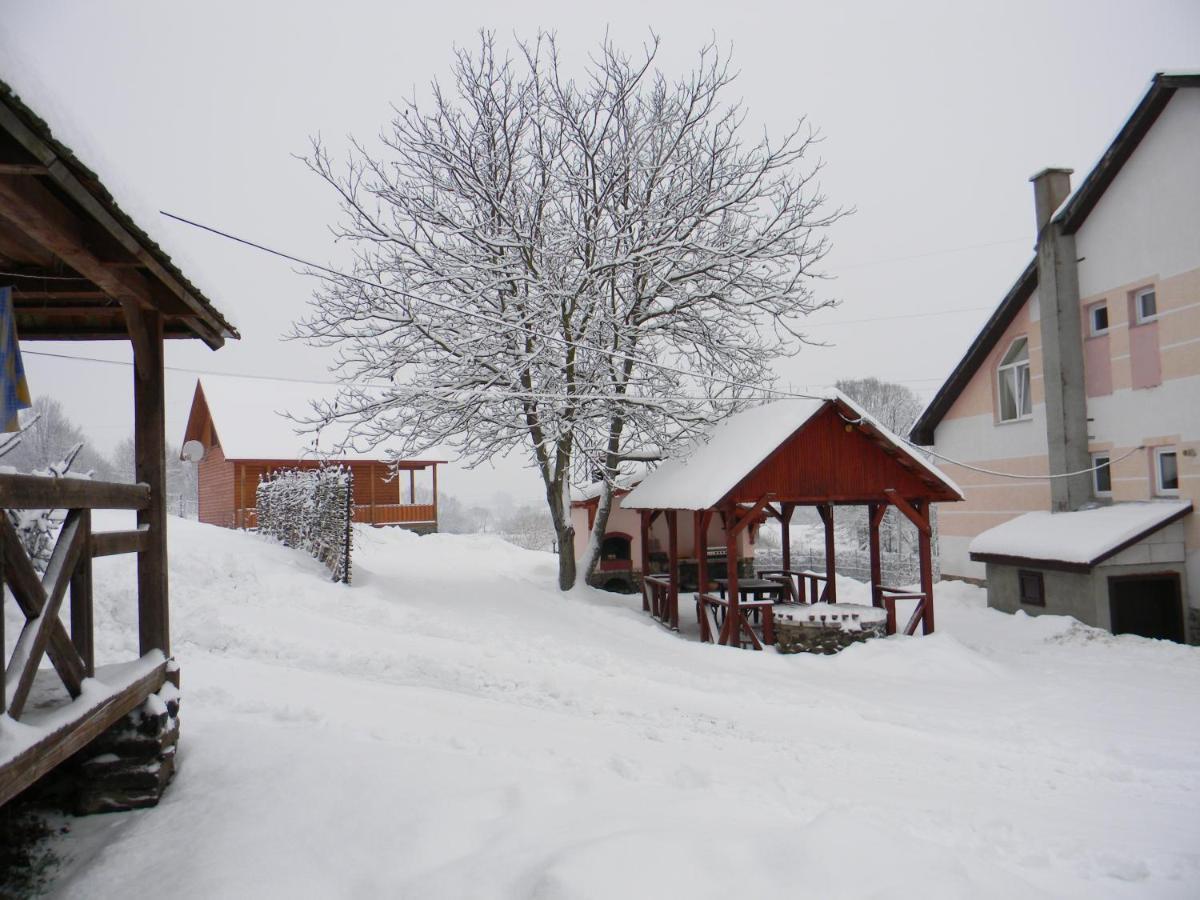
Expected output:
(114, 543)
(31, 644)
(917, 615)
(38, 492)
(150, 454)
(27, 767)
(23, 169)
(913, 514)
(825, 511)
(672, 611)
(3, 596)
(925, 552)
(26, 588)
(875, 513)
(708, 625)
(785, 520)
(644, 524)
(82, 633)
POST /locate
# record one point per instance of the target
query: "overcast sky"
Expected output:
(934, 116)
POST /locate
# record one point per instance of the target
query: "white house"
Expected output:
(1091, 365)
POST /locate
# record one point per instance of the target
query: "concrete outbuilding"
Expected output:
(1121, 567)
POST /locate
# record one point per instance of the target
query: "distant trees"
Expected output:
(583, 264)
(896, 407)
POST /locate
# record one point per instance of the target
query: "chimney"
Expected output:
(1050, 188)
(1062, 346)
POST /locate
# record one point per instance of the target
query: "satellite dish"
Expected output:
(193, 451)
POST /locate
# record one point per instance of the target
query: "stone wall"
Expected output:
(826, 628)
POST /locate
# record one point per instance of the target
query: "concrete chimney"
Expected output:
(1050, 188)
(1062, 346)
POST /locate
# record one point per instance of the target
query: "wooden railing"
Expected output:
(891, 595)
(69, 571)
(719, 623)
(803, 586)
(657, 600)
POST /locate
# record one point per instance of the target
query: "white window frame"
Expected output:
(1137, 305)
(1092, 310)
(1105, 455)
(1018, 383)
(1159, 453)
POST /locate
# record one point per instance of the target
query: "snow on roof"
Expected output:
(631, 472)
(710, 469)
(1084, 537)
(252, 421)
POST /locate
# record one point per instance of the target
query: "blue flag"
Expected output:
(13, 388)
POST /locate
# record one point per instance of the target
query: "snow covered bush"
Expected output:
(311, 510)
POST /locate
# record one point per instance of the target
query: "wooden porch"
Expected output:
(831, 454)
(80, 269)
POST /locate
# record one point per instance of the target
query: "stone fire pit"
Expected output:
(826, 627)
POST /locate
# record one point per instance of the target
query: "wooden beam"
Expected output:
(875, 513)
(673, 568)
(34, 637)
(913, 514)
(26, 588)
(748, 515)
(785, 520)
(82, 626)
(925, 551)
(39, 492)
(644, 534)
(8, 168)
(825, 511)
(150, 453)
(114, 543)
(58, 746)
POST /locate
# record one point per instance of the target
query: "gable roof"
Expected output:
(1075, 541)
(703, 474)
(1070, 217)
(254, 424)
(55, 180)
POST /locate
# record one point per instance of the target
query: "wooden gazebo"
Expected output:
(766, 461)
(81, 269)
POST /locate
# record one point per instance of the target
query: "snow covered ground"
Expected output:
(452, 727)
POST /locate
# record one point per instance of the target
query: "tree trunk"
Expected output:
(566, 557)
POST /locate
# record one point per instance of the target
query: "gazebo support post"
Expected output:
(700, 519)
(644, 517)
(672, 617)
(785, 522)
(925, 547)
(732, 626)
(825, 510)
(917, 512)
(875, 514)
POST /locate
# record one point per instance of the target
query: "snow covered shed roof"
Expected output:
(253, 423)
(1075, 541)
(63, 237)
(825, 448)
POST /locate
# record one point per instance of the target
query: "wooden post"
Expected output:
(700, 550)
(672, 617)
(374, 474)
(644, 516)
(875, 513)
(731, 630)
(412, 485)
(435, 497)
(785, 521)
(3, 661)
(826, 512)
(82, 633)
(149, 439)
(925, 547)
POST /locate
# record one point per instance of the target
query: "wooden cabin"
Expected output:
(258, 438)
(821, 452)
(81, 269)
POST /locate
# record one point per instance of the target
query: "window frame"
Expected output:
(1019, 395)
(1138, 315)
(1092, 310)
(1105, 455)
(1025, 600)
(1159, 488)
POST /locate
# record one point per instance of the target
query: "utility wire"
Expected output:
(964, 465)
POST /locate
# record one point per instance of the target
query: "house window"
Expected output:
(1033, 588)
(1015, 400)
(1166, 470)
(1098, 315)
(1101, 475)
(1145, 305)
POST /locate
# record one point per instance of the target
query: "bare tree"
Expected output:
(587, 266)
